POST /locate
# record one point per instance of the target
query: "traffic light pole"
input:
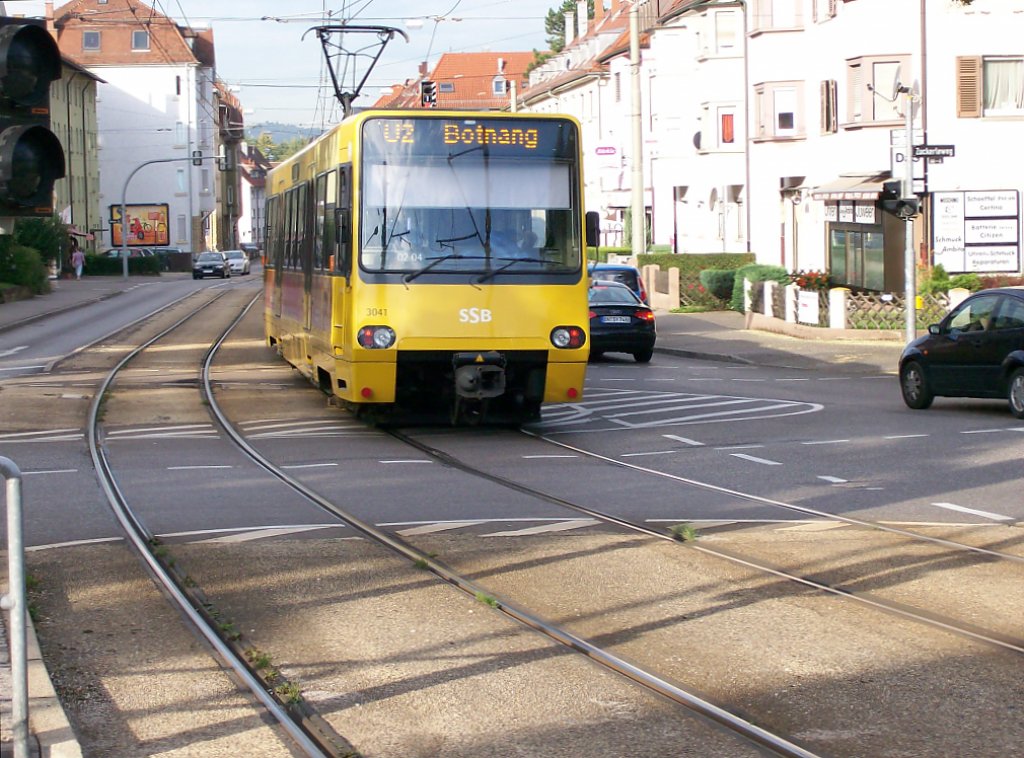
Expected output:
(124, 203)
(909, 259)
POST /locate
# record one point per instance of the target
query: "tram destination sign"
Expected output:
(934, 151)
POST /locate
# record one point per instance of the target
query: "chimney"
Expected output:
(48, 14)
(501, 65)
(570, 29)
(616, 7)
(423, 69)
(598, 11)
(581, 18)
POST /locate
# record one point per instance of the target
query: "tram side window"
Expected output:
(343, 259)
(327, 219)
(290, 241)
(320, 209)
(273, 229)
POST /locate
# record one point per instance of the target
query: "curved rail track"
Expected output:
(560, 634)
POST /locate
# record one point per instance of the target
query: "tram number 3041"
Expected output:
(475, 315)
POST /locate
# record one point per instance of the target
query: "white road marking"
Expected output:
(824, 442)
(652, 452)
(22, 368)
(406, 461)
(190, 468)
(740, 447)
(982, 431)
(309, 465)
(50, 471)
(182, 427)
(532, 457)
(833, 479)
(559, 527)
(755, 459)
(821, 526)
(12, 435)
(74, 543)
(793, 380)
(684, 440)
(973, 512)
(12, 350)
(438, 527)
(904, 436)
(263, 533)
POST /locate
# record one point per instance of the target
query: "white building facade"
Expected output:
(779, 127)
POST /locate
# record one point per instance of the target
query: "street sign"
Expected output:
(934, 151)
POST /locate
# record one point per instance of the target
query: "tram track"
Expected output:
(934, 621)
(523, 611)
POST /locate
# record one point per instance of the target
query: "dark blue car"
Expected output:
(975, 351)
(618, 272)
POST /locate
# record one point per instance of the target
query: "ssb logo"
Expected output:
(475, 316)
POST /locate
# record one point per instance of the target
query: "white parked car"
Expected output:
(238, 261)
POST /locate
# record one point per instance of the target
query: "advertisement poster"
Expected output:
(147, 225)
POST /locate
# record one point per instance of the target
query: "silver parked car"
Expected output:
(238, 261)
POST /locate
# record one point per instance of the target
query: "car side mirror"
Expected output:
(934, 329)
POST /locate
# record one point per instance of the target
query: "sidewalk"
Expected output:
(66, 295)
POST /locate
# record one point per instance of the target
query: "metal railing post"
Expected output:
(15, 602)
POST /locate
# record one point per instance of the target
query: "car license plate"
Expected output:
(615, 319)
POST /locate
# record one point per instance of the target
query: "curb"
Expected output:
(50, 732)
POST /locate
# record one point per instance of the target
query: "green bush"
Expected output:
(970, 282)
(47, 236)
(755, 272)
(718, 281)
(691, 264)
(22, 266)
(105, 265)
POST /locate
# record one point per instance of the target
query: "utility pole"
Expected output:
(909, 258)
(639, 216)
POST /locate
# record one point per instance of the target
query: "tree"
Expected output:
(48, 236)
(554, 23)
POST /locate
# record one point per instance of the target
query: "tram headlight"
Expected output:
(376, 337)
(568, 337)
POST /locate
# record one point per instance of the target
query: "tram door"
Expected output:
(310, 240)
(279, 238)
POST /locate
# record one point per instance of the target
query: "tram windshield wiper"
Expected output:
(510, 263)
(413, 274)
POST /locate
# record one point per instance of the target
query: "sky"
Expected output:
(279, 77)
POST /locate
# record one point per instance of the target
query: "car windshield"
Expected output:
(210, 258)
(622, 277)
(235, 254)
(617, 295)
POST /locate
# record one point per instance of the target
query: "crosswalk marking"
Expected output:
(975, 512)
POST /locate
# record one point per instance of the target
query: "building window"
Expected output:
(991, 86)
(829, 110)
(446, 87)
(872, 84)
(618, 87)
(824, 10)
(90, 40)
(726, 24)
(726, 127)
(205, 174)
(181, 179)
(182, 228)
(498, 86)
(779, 108)
(772, 15)
(140, 40)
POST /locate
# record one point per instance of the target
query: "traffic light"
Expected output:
(893, 202)
(428, 94)
(31, 156)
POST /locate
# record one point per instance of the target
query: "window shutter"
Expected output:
(829, 118)
(968, 87)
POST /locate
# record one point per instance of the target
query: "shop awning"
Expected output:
(852, 187)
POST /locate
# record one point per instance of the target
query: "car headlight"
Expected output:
(568, 337)
(376, 337)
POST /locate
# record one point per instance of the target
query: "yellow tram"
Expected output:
(433, 260)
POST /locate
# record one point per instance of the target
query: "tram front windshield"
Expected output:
(467, 195)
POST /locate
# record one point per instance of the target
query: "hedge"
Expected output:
(691, 264)
(22, 266)
(105, 265)
(718, 281)
(755, 272)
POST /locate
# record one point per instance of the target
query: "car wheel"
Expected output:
(196, 276)
(1016, 393)
(643, 356)
(914, 386)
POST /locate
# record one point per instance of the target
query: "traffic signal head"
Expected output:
(428, 94)
(31, 156)
(894, 202)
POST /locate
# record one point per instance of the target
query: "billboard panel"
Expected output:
(147, 225)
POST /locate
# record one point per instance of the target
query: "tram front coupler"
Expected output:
(479, 375)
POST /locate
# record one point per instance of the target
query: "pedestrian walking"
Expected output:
(77, 258)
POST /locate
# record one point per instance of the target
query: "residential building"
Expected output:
(73, 121)
(254, 167)
(779, 127)
(156, 113)
(462, 81)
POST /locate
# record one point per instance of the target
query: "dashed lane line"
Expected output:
(755, 459)
(974, 512)
(834, 479)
